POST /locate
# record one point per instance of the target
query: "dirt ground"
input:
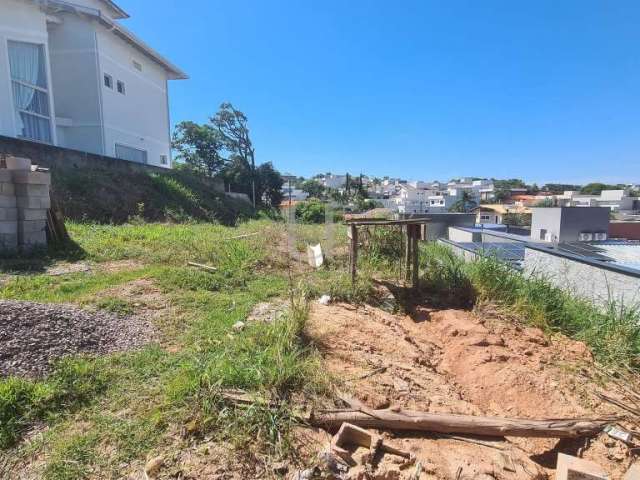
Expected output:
(456, 361)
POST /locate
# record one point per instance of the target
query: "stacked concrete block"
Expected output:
(33, 202)
(8, 213)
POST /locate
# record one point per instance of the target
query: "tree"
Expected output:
(232, 125)
(545, 203)
(313, 188)
(465, 204)
(269, 185)
(559, 188)
(312, 211)
(597, 188)
(200, 147)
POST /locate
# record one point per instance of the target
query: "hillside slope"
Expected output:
(105, 196)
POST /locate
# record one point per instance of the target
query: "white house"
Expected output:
(615, 200)
(72, 76)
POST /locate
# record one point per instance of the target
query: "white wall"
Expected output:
(24, 22)
(74, 74)
(139, 118)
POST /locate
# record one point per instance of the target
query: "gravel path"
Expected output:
(34, 334)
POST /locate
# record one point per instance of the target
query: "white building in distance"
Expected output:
(72, 76)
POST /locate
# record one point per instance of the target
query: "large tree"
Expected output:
(313, 188)
(465, 204)
(232, 125)
(200, 147)
(269, 185)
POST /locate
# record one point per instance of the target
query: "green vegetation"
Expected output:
(311, 211)
(105, 196)
(104, 412)
(613, 333)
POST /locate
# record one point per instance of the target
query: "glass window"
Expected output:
(132, 154)
(30, 91)
(121, 87)
(108, 81)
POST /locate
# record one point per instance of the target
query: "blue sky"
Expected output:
(543, 90)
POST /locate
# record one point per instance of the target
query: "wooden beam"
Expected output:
(407, 420)
(353, 252)
(415, 277)
(407, 253)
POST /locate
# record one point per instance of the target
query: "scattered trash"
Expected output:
(574, 468)
(324, 300)
(238, 326)
(618, 434)
(314, 253)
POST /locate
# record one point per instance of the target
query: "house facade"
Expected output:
(72, 76)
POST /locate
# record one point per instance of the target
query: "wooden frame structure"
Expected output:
(412, 232)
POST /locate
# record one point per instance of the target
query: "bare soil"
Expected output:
(457, 361)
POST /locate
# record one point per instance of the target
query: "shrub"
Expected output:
(312, 211)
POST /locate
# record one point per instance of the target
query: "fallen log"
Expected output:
(201, 266)
(460, 424)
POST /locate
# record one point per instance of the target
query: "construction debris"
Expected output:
(353, 435)
(324, 300)
(202, 266)
(618, 434)
(408, 420)
(573, 468)
(315, 255)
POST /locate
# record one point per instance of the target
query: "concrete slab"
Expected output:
(30, 226)
(33, 239)
(8, 214)
(7, 188)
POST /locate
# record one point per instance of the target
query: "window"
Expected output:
(132, 154)
(30, 91)
(137, 65)
(121, 87)
(108, 81)
(163, 160)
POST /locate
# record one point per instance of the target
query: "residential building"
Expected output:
(335, 182)
(292, 193)
(615, 200)
(496, 213)
(71, 75)
(569, 224)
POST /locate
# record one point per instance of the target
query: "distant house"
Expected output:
(615, 200)
(72, 76)
(570, 224)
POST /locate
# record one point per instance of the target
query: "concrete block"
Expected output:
(18, 163)
(33, 239)
(30, 226)
(8, 242)
(7, 188)
(8, 214)
(7, 201)
(573, 468)
(5, 176)
(30, 214)
(38, 178)
(9, 227)
(33, 202)
(31, 190)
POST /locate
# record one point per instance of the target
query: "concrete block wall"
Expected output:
(24, 202)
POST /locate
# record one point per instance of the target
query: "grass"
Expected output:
(612, 333)
(109, 411)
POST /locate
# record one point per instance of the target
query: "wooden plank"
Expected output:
(407, 253)
(353, 252)
(415, 277)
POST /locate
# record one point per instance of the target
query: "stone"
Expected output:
(31, 190)
(574, 468)
(32, 202)
(30, 214)
(38, 178)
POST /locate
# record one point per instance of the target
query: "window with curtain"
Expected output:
(30, 90)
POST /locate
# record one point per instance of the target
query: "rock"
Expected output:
(153, 466)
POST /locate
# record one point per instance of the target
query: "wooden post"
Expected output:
(407, 254)
(353, 253)
(415, 234)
